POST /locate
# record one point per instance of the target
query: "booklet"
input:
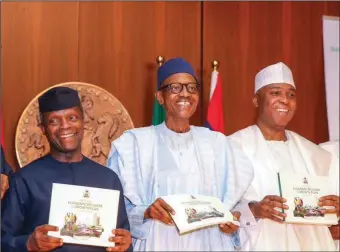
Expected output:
(84, 215)
(193, 212)
(302, 193)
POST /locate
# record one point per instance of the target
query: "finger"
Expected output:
(231, 225)
(165, 219)
(277, 204)
(275, 198)
(274, 218)
(47, 246)
(45, 228)
(329, 197)
(122, 236)
(153, 212)
(117, 239)
(277, 213)
(157, 212)
(284, 206)
(225, 228)
(328, 203)
(163, 215)
(166, 206)
(112, 249)
(121, 232)
(118, 248)
(329, 211)
(164, 211)
(50, 240)
(236, 215)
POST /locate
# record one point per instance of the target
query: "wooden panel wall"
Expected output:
(39, 49)
(114, 45)
(110, 44)
(247, 36)
(118, 46)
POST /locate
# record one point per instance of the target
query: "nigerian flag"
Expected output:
(158, 113)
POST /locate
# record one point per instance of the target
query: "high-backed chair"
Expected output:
(105, 119)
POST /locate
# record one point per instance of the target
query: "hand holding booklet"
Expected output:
(193, 212)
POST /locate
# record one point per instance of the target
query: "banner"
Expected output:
(331, 63)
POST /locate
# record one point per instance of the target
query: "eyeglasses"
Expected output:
(176, 88)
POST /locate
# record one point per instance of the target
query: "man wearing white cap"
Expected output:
(272, 148)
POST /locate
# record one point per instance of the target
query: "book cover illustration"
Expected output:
(193, 212)
(303, 193)
(200, 213)
(307, 210)
(84, 215)
(83, 227)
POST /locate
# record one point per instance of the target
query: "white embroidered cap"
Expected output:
(277, 73)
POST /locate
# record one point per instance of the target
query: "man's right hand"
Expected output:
(40, 241)
(4, 184)
(159, 210)
(265, 208)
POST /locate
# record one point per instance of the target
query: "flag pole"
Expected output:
(160, 60)
(215, 64)
(158, 115)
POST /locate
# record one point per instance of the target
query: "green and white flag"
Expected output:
(158, 113)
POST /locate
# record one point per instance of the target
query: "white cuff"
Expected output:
(247, 218)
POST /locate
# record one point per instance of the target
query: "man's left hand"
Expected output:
(335, 231)
(330, 200)
(229, 228)
(122, 240)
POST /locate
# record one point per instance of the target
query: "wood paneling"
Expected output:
(247, 36)
(39, 49)
(119, 42)
(111, 44)
(114, 45)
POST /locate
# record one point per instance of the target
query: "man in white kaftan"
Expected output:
(273, 149)
(156, 161)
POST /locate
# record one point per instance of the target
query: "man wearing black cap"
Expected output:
(177, 158)
(27, 204)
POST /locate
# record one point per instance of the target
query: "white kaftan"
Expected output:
(155, 161)
(296, 155)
